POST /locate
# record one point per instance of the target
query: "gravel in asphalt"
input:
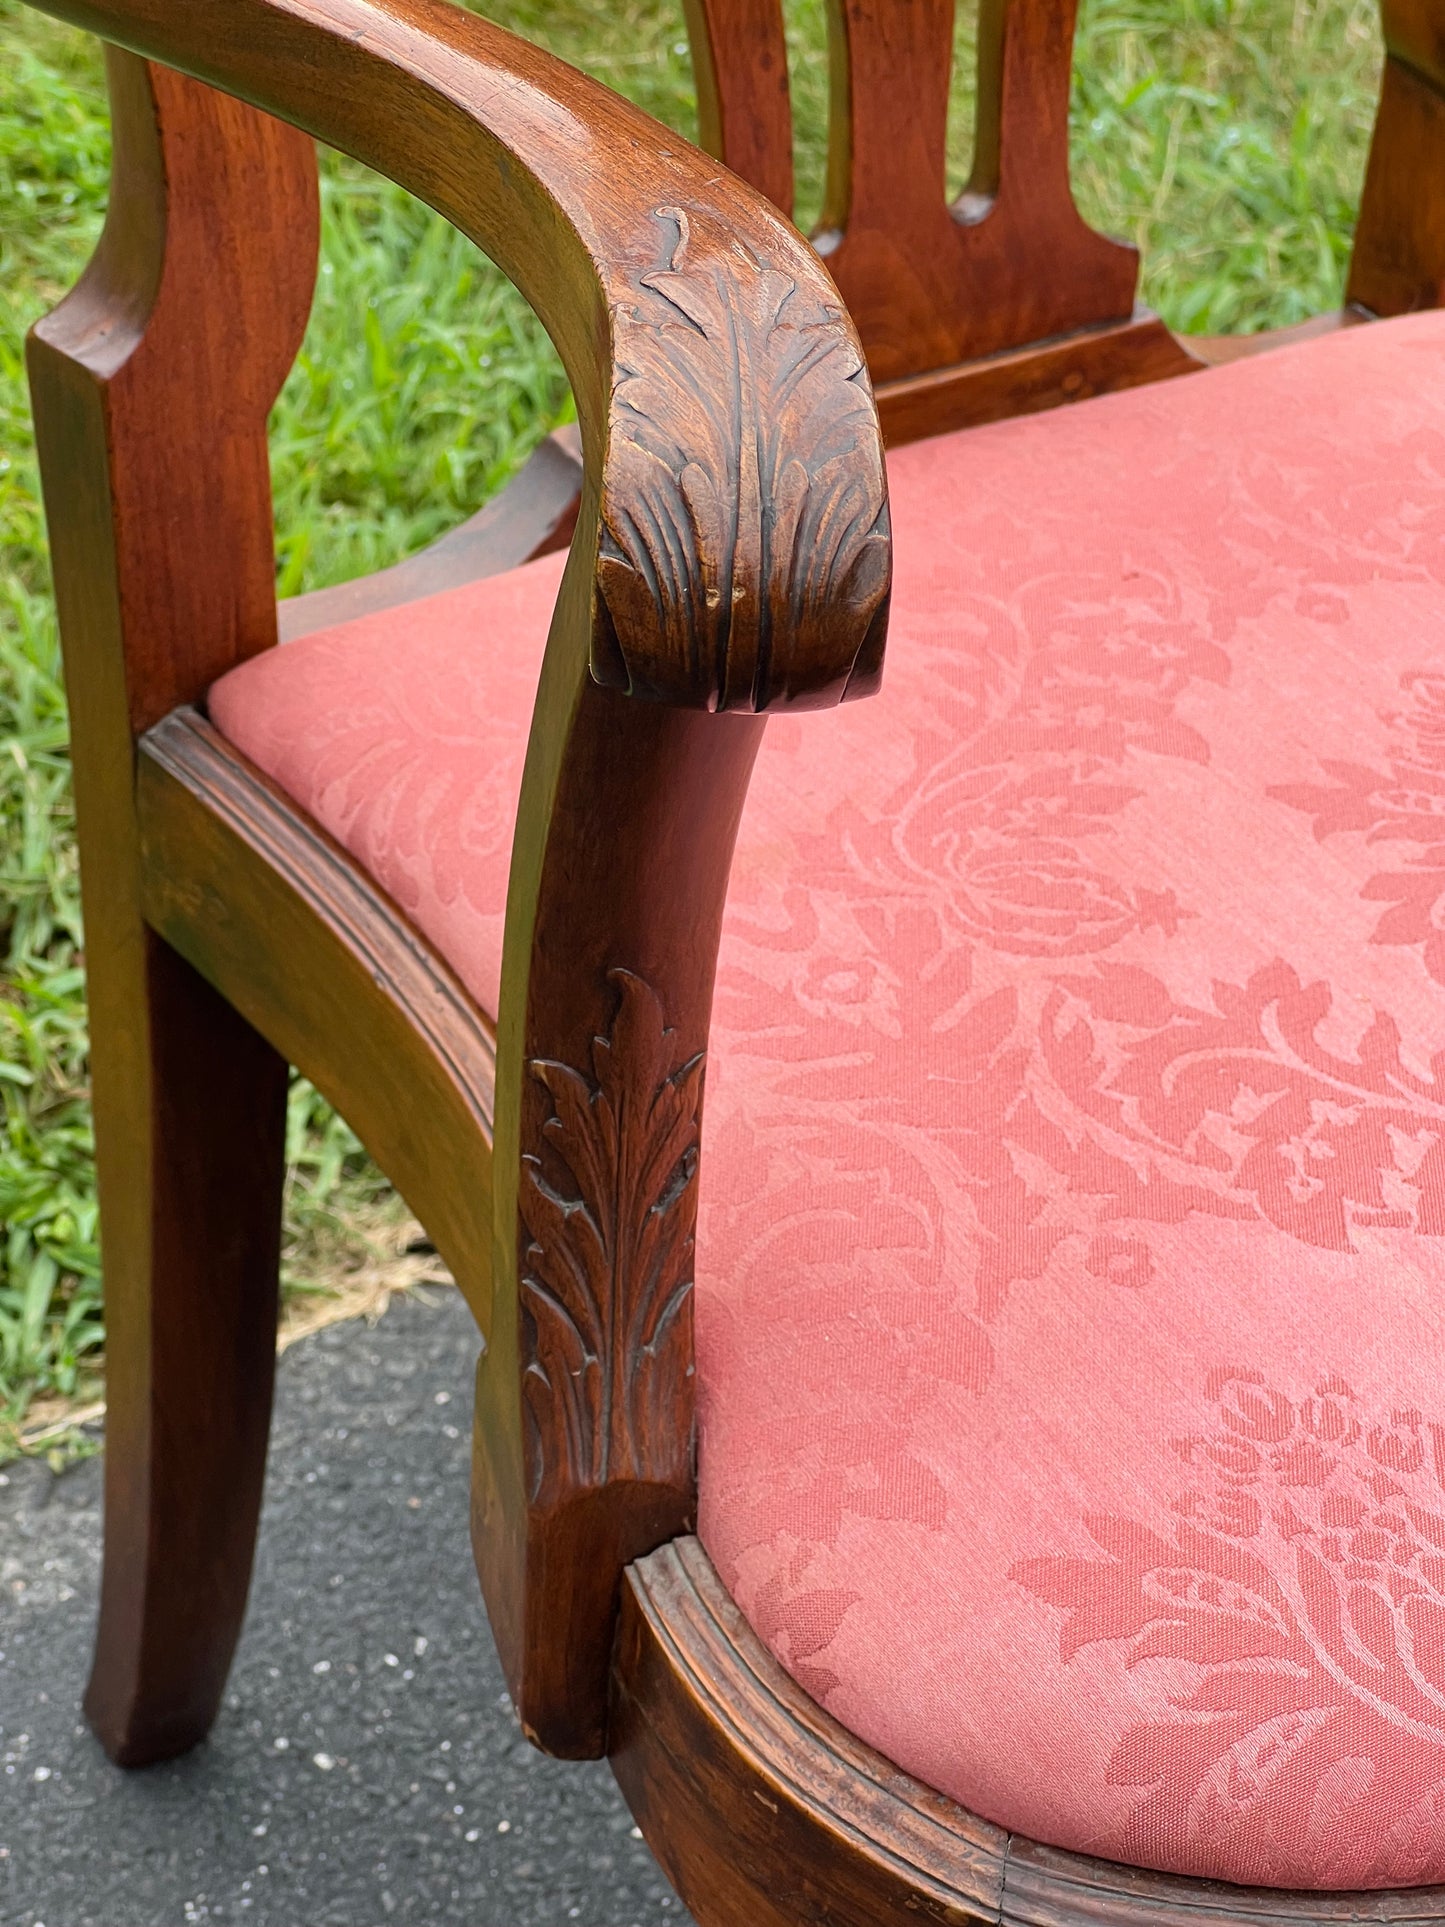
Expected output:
(366, 1769)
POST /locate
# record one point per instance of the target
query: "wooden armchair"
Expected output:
(1070, 1271)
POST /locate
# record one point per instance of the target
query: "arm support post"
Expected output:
(732, 553)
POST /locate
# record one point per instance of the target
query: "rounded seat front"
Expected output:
(1071, 1257)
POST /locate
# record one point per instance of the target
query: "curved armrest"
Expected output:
(731, 442)
(732, 552)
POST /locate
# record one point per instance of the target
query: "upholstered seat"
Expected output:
(1071, 1261)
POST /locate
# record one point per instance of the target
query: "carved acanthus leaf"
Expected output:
(607, 1277)
(745, 553)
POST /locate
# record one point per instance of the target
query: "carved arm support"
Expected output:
(732, 553)
(1398, 263)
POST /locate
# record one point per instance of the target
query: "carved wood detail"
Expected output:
(609, 1201)
(735, 501)
(745, 556)
(560, 181)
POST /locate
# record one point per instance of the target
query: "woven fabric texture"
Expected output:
(1071, 1262)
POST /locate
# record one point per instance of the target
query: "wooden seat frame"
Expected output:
(729, 556)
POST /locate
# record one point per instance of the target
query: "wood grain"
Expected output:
(730, 551)
(1215, 350)
(609, 1202)
(765, 477)
(740, 65)
(151, 385)
(760, 1808)
(753, 575)
(576, 194)
(628, 816)
(1050, 374)
(1028, 380)
(294, 933)
(1012, 262)
(1398, 261)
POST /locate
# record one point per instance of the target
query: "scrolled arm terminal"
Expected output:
(734, 467)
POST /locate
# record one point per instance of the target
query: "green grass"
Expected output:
(1226, 137)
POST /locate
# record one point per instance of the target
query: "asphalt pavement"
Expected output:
(366, 1769)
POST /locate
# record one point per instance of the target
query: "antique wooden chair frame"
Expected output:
(729, 557)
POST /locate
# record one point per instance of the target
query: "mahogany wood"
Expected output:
(584, 1400)
(171, 348)
(1012, 262)
(1027, 380)
(729, 551)
(763, 1810)
(1215, 350)
(1398, 263)
(534, 515)
(759, 1807)
(720, 580)
(294, 934)
(745, 116)
(1048, 374)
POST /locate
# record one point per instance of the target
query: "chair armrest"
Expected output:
(731, 442)
(1398, 263)
(732, 552)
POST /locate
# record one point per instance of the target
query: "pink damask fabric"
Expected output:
(1071, 1266)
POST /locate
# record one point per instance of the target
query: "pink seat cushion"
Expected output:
(1071, 1275)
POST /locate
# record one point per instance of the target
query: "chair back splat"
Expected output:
(1011, 261)
(935, 288)
(745, 116)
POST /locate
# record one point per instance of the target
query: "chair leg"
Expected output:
(190, 1139)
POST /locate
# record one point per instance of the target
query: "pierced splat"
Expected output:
(745, 115)
(730, 552)
(1012, 261)
(934, 288)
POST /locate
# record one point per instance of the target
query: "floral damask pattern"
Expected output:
(404, 734)
(1304, 1578)
(1070, 1037)
(964, 1057)
(1403, 804)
